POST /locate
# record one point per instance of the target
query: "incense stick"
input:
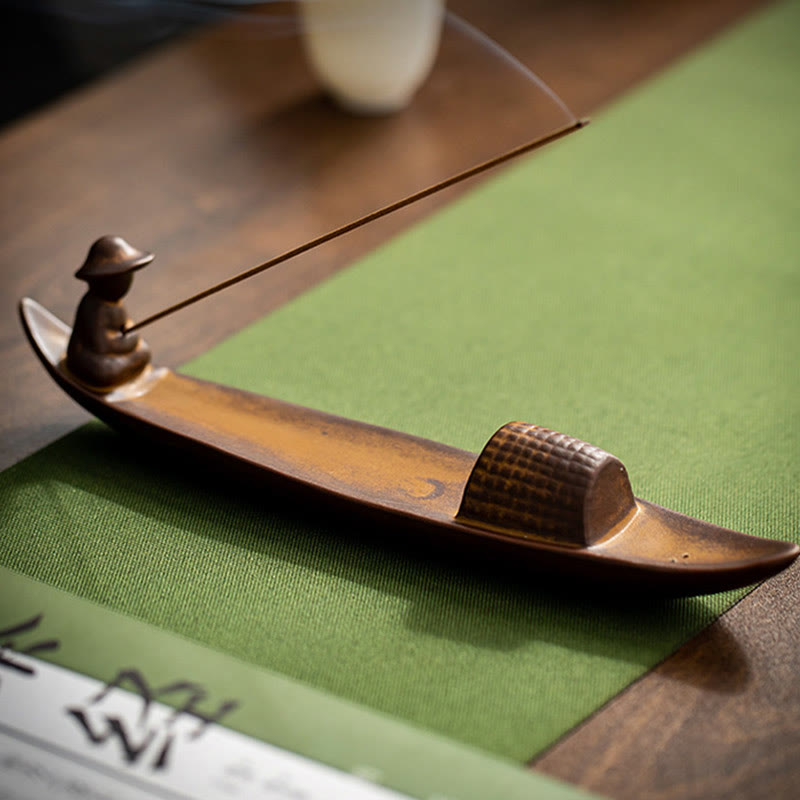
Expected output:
(371, 217)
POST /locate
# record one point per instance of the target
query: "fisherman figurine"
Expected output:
(100, 354)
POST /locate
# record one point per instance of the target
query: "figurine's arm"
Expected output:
(118, 342)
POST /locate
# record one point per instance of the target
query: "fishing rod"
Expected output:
(495, 161)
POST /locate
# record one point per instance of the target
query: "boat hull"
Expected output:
(413, 483)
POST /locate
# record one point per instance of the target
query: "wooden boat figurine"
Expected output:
(532, 495)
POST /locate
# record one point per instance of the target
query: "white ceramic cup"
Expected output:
(372, 55)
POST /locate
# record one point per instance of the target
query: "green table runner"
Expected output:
(636, 286)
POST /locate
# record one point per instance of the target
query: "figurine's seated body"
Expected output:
(99, 353)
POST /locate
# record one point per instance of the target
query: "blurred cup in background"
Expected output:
(372, 55)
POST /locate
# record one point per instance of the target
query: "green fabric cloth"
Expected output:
(269, 707)
(636, 286)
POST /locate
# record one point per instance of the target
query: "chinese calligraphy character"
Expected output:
(152, 732)
(8, 648)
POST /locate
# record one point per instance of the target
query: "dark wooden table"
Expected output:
(165, 152)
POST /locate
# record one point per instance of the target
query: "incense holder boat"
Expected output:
(533, 497)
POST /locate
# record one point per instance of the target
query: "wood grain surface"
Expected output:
(165, 152)
(718, 719)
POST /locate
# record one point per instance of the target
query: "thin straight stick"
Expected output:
(371, 217)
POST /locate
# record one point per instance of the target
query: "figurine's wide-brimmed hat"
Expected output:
(112, 255)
